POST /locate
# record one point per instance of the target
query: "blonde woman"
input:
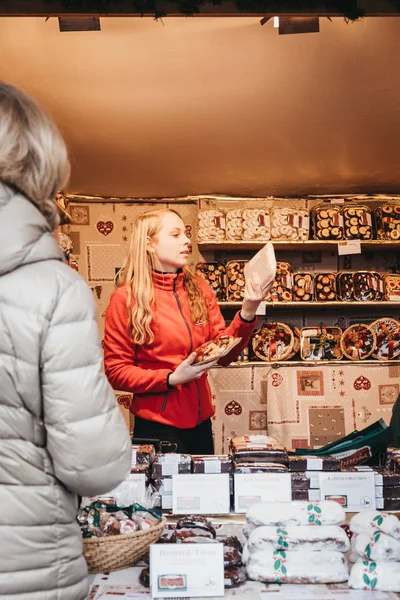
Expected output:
(61, 431)
(158, 315)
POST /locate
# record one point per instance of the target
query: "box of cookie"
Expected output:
(387, 218)
(211, 225)
(345, 286)
(273, 342)
(325, 287)
(328, 222)
(368, 286)
(387, 332)
(257, 449)
(357, 222)
(215, 463)
(320, 343)
(392, 287)
(256, 224)
(358, 342)
(289, 223)
(234, 224)
(214, 273)
(303, 287)
(235, 280)
(281, 290)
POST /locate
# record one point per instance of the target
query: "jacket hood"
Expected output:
(25, 235)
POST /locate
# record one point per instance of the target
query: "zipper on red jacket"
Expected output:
(190, 351)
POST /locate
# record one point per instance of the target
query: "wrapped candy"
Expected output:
(358, 342)
(99, 519)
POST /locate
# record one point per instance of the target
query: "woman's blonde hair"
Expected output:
(136, 274)
(33, 155)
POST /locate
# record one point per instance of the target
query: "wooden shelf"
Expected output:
(302, 246)
(338, 304)
(310, 363)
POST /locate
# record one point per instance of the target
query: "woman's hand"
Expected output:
(253, 295)
(187, 371)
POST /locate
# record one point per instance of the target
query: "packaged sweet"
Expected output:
(231, 541)
(378, 546)
(345, 286)
(216, 348)
(261, 467)
(195, 522)
(392, 287)
(387, 219)
(325, 287)
(357, 222)
(296, 513)
(214, 273)
(234, 224)
(142, 454)
(256, 224)
(303, 287)
(358, 342)
(328, 222)
(321, 343)
(273, 342)
(211, 464)
(235, 280)
(314, 463)
(281, 290)
(377, 576)
(368, 286)
(165, 465)
(99, 519)
(299, 537)
(257, 449)
(211, 225)
(369, 521)
(289, 223)
(387, 332)
(234, 577)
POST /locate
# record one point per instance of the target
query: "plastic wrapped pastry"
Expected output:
(212, 464)
(165, 465)
(289, 223)
(196, 522)
(368, 286)
(392, 287)
(256, 224)
(214, 273)
(328, 222)
(345, 286)
(358, 342)
(303, 287)
(357, 222)
(278, 566)
(325, 287)
(261, 467)
(370, 521)
(235, 280)
(211, 225)
(303, 537)
(314, 463)
(142, 454)
(234, 224)
(370, 575)
(281, 290)
(378, 546)
(387, 219)
(296, 513)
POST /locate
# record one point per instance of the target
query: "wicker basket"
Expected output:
(119, 551)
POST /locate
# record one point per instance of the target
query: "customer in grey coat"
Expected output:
(61, 431)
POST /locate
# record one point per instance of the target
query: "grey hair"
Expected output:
(33, 155)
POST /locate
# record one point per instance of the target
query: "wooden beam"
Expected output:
(119, 8)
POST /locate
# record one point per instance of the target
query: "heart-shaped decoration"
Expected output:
(124, 400)
(362, 383)
(105, 227)
(277, 379)
(233, 408)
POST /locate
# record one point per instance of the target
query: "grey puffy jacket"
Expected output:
(61, 430)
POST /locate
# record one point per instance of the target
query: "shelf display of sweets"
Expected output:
(375, 551)
(325, 287)
(357, 222)
(285, 546)
(211, 225)
(256, 224)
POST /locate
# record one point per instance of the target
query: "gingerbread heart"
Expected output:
(362, 383)
(124, 400)
(277, 379)
(233, 408)
(105, 227)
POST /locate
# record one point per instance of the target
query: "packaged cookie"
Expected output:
(320, 343)
(235, 280)
(256, 224)
(211, 225)
(357, 222)
(214, 273)
(142, 455)
(257, 449)
(281, 290)
(392, 287)
(325, 287)
(358, 342)
(387, 332)
(387, 219)
(212, 464)
(303, 287)
(273, 342)
(368, 286)
(328, 222)
(234, 224)
(165, 465)
(345, 286)
(289, 223)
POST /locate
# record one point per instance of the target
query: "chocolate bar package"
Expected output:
(258, 449)
(212, 464)
(314, 463)
(165, 465)
(142, 454)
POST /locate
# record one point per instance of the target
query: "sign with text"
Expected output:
(354, 491)
(186, 570)
(261, 487)
(201, 494)
(349, 247)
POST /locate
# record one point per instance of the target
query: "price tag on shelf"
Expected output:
(349, 247)
(201, 494)
(262, 309)
(337, 201)
(261, 487)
